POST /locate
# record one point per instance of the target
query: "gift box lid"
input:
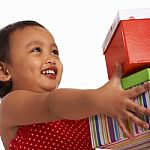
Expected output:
(136, 78)
(125, 14)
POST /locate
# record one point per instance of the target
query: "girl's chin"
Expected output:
(48, 89)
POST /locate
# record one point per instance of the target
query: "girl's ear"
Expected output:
(4, 72)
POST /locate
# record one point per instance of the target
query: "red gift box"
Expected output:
(128, 42)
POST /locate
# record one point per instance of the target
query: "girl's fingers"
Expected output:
(134, 107)
(117, 73)
(136, 91)
(133, 118)
(124, 129)
(137, 120)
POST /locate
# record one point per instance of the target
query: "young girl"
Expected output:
(35, 114)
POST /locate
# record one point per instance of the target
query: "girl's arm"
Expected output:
(26, 107)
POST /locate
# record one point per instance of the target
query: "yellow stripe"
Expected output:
(106, 128)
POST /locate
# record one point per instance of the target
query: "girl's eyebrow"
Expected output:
(33, 43)
(54, 45)
(39, 43)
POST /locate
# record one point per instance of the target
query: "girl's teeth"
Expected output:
(44, 72)
(48, 72)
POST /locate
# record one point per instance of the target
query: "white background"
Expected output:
(79, 28)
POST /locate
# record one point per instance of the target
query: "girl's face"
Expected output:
(34, 60)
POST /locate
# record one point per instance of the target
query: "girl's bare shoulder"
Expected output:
(18, 96)
(21, 94)
(23, 107)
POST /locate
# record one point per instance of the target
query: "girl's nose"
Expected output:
(51, 61)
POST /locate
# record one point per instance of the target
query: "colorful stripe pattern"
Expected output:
(105, 131)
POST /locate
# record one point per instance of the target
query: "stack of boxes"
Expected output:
(128, 43)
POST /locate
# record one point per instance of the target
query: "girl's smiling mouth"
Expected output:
(50, 72)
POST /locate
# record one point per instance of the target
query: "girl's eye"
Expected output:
(55, 52)
(37, 49)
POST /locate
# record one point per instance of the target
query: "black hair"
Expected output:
(5, 33)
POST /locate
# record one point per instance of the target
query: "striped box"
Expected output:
(105, 132)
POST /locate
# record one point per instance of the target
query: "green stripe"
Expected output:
(94, 132)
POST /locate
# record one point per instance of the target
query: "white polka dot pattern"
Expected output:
(57, 135)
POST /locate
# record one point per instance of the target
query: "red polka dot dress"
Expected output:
(57, 135)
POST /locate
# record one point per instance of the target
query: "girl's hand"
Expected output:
(119, 103)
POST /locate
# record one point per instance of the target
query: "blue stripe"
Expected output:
(97, 130)
(116, 130)
(144, 100)
(145, 105)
